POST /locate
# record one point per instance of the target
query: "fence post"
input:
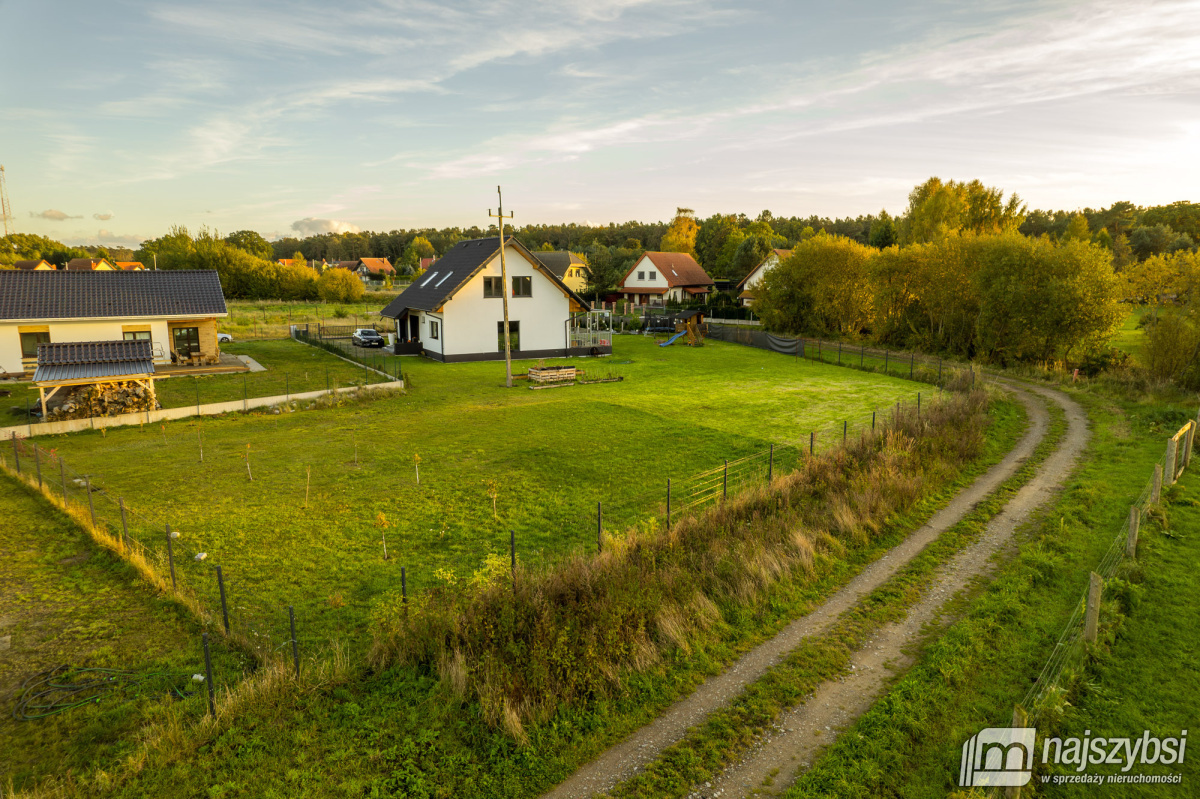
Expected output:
(1187, 444)
(918, 404)
(16, 452)
(512, 551)
(839, 353)
(725, 481)
(668, 502)
(599, 527)
(1020, 719)
(171, 556)
(1135, 518)
(845, 427)
(770, 463)
(812, 441)
(939, 370)
(91, 505)
(885, 359)
(28, 418)
(124, 524)
(862, 353)
(1092, 614)
(912, 360)
(37, 462)
(1172, 457)
(873, 421)
(295, 646)
(62, 473)
(1156, 487)
(212, 710)
(224, 607)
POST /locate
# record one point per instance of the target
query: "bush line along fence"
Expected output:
(159, 549)
(1082, 627)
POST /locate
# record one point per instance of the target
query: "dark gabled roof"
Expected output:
(559, 262)
(85, 264)
(87, 360)
(109, 294)
(34, 264)
(454, 269)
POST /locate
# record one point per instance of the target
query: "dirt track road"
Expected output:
(795, 740)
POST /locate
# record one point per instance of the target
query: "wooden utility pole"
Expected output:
(500, 217)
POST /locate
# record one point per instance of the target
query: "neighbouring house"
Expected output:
(455, 311)
(40, 265)
(175, 310)
(129, 266)
(375, 266)
(569, 267)
(427, 262)
(746, 287)
(89, 265)
(661, 276)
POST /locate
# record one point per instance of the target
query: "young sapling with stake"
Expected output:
(417, 466)
(383, 524)
(493, 491)
(246, 457)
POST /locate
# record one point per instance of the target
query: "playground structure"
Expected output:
(688, 323)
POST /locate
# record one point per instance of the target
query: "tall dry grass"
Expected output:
(523, 645)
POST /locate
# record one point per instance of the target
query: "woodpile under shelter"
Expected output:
(72, 364)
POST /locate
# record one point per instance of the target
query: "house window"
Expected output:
(29, 342)
(514, 335)
(641, 275)
(433, 329)
(187, 341)
(653, 275)
(522, 286)
(493, 287)
(137, 335)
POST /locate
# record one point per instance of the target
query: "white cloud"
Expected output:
(310, 226)
(54, 215)
(104, 217)
(126, 240)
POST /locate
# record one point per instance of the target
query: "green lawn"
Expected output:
(552, 454)
(64, 601)
(267, 318)
(1130, 338)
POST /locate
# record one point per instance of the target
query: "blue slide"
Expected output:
(673, 339)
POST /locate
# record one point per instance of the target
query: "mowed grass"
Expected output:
(259, 318)
(551, 454)
(1131, 339)
(64, 601)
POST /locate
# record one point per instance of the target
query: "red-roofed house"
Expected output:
(661, 276)
(130, 266)
(376, 266)
(427, 262)
(746, 287)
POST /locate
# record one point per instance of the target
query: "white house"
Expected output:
(661, 276)
(175, 311)
(455, 311)
(746, 287)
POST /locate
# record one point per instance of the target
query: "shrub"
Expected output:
(340, 285)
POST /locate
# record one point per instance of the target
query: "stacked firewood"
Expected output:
(104, 399)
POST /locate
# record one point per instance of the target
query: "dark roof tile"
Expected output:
(115, 294)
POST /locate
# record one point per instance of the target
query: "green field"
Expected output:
(551, 454)
(272, 318)
(68, 603)
(1130, 338)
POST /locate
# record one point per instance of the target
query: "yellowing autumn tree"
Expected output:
(681, 235)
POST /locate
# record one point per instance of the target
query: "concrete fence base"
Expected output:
(169, 414)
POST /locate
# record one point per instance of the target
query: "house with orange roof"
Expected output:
(745, 288)
(130, 266)
(657, 277)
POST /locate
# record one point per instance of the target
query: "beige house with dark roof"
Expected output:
(746, 287)
(176, 311)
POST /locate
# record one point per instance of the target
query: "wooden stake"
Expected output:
(1091, 619)
(1135, 518)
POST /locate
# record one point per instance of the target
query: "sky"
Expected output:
(120, 119)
